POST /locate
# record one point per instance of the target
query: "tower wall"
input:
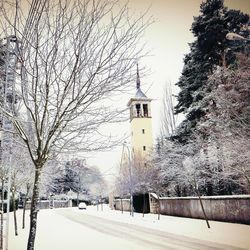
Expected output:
(141, 135)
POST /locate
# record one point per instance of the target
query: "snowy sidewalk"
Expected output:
(59, 232)
(236, 235)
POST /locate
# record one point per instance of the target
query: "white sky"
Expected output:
(167, 39)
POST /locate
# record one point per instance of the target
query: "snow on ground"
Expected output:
(58, 232)
(225, 233)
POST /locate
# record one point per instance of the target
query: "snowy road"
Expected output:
(137, 237)
(93, 229)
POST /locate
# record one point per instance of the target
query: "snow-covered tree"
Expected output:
(210, 49)
(137, 176)
(74, 177)
(228, 119)
(74, 55)
(145, 175)
(169, 158)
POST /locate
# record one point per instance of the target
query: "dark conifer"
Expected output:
(210, 49)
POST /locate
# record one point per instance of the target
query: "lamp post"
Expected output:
(130, 179)
(236, 37)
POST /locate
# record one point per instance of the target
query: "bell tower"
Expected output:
(140, 121)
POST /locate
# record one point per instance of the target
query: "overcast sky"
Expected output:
(167, 40)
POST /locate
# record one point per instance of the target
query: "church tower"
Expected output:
(140, 120)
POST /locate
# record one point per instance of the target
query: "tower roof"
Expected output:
(138, 81)
(139, 93)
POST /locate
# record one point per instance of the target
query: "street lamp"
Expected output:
(236, 37)
(130, 178)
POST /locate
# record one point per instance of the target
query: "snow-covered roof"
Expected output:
(140, 94)
(217, 197)
(154, 195)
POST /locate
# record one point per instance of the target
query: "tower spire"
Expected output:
(138, 81)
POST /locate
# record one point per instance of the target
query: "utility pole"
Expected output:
(130, 179)
(8, 47)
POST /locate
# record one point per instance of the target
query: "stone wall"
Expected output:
(234, 208)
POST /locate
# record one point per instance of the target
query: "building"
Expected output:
(135, 172)
(140, 122)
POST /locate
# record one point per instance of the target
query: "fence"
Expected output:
(45, 204)
(234, 208)
(122, 204)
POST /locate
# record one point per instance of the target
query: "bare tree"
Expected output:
(137, 176)
(145, 177)
(184, 169)
(190, 176)
(145, 174)
(27, 186)
(74, 55)
(169, 158)
(73, 177)
(21, 177)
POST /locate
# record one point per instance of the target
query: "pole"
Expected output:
(8, 205)
(9, 88)
(130, 180)
(158, 207)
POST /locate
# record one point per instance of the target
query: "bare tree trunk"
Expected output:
(159, 208)
(77, 199)
(130, 204)
(101, 204)
(14, 211)
(24, 210)
(122, 206)
(143, 209)
(25, 202)
(2, 210)
(202, 207)
(203, 210)
(34, 210)
(199, 197)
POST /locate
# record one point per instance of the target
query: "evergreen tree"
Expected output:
(210, 49)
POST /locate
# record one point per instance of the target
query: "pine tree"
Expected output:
(210, 49)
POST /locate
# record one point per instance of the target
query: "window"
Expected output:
(145, 110)
(144, 148)
(138, 109)
(143, 131)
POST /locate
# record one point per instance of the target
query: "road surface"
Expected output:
(131, 237)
